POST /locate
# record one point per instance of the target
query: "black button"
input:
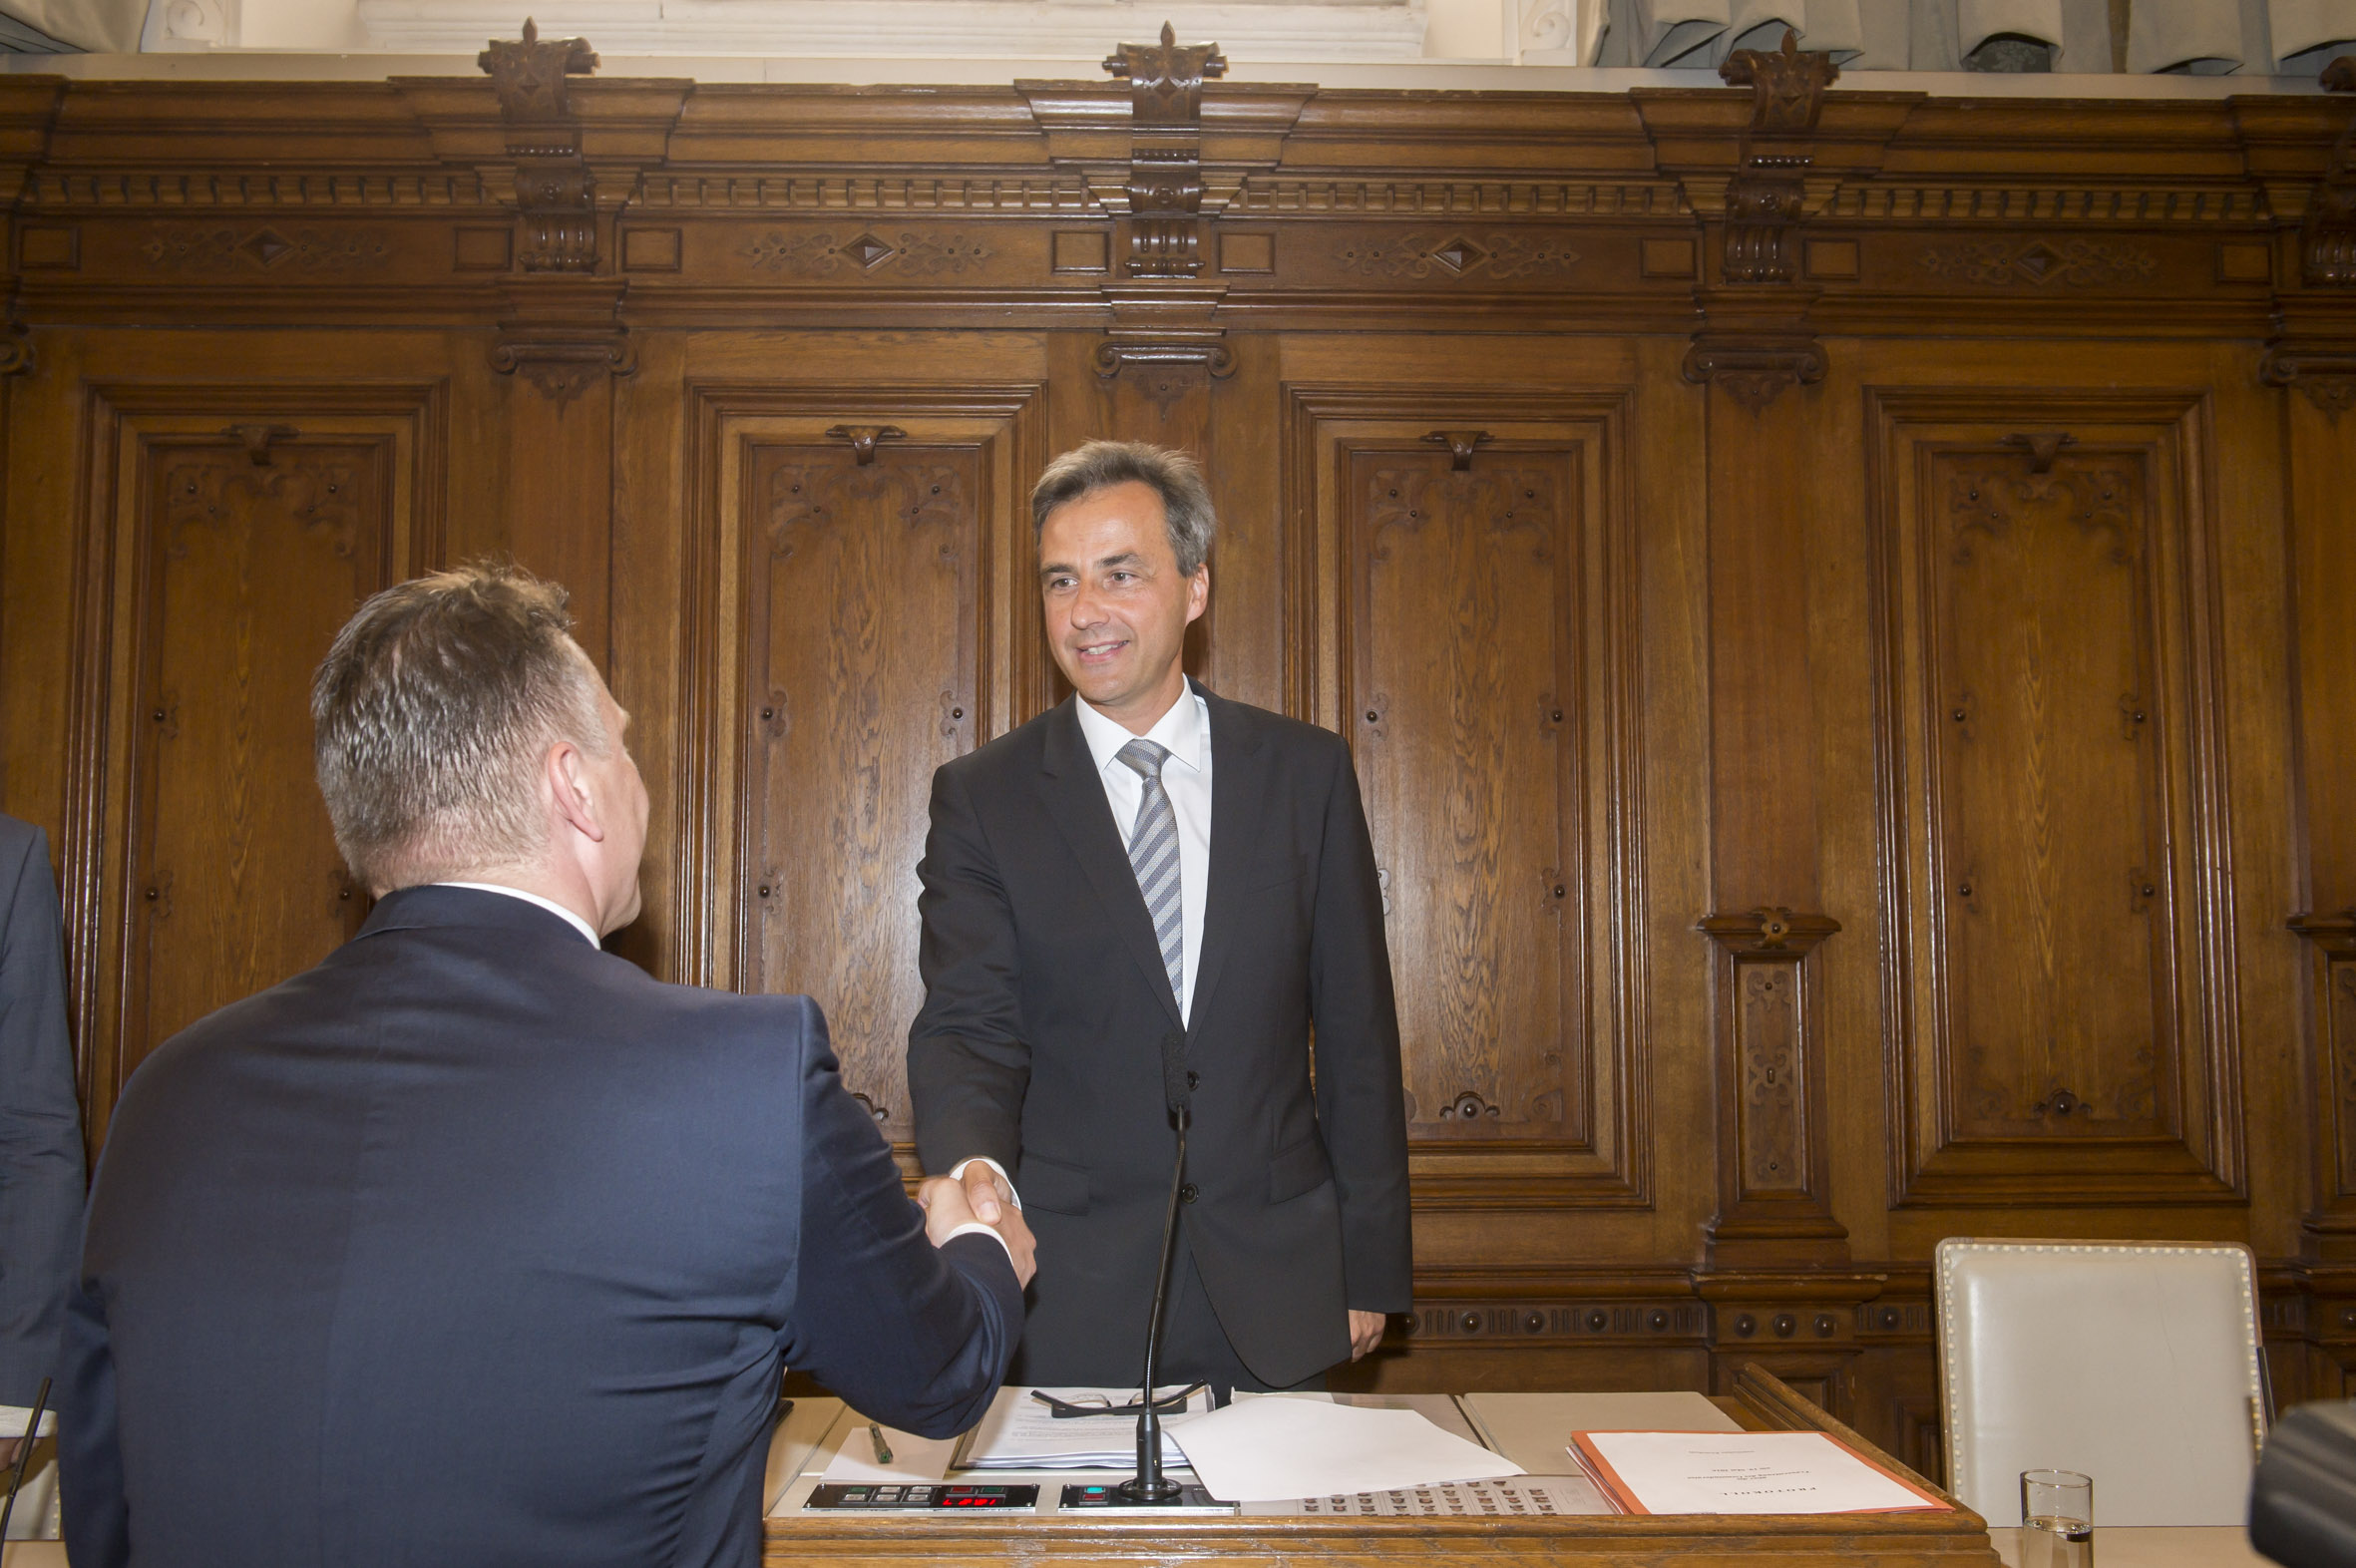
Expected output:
(1194, 1079)
(1187, 1193)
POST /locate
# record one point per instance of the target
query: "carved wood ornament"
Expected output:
(1155, 323)
(1755, 348)
(1166, 150)
(561, 329)
(2327, 239)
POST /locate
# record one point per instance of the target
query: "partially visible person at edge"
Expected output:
(475, 1245)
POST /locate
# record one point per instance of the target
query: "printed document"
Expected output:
(1742, 1472)
(1021, 1434)
(1278, 1447)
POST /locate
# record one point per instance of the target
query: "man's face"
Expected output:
(1117, 607)
(614, 779)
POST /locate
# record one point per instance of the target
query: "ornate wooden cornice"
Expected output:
(2327, 239)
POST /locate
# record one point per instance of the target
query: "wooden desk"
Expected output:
(1760, 1404)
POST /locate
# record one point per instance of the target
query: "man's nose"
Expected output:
(1086, 608)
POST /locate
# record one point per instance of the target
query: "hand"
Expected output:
(945, 1208)
(1366, 1332)
(986, 1191)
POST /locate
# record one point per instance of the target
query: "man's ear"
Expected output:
(568, 781)
(1198, 593)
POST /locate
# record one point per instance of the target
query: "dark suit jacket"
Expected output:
(474, 1245)
(40, 1118)
(1045, 1007)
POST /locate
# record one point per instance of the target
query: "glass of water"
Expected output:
(2057, 1519)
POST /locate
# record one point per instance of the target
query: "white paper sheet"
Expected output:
(1748, 1472)
(913, 1458)
(1281, 1447)
(1021, 1434)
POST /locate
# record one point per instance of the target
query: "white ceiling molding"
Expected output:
(1263, 30)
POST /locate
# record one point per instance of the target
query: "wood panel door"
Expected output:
(1478, 583)
(2054, 808)
(232, 540)
(858, 550)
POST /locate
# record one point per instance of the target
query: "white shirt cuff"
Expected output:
(957, 1172)
(977, 1228)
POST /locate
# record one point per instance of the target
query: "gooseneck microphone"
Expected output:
(1149, 1485)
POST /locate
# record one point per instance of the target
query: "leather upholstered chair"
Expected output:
(2133, 1363)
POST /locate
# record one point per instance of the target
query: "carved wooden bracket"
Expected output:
(563, 334)
(556, 194)
(862, 439)
(1460, 444)
(1773, 1163)
(2325, 374)
(2327, 237)
(1755, 369)
(1165, 184)
(1765, 198)
(258, 439)
(2044, 446)
(1164, 326)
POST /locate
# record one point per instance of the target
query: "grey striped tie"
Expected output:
(1153, 856)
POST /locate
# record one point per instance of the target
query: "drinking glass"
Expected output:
(2057, 1519)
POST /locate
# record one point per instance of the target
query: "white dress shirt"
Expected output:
(1186, 778)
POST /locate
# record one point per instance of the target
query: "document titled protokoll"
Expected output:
(1742, 1472)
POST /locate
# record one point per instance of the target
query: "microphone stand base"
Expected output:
(1137, 1489)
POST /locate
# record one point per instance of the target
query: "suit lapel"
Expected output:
(1074, 796)
(1239, 787)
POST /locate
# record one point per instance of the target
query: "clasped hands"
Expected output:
(985, 1197)
(982, 1194)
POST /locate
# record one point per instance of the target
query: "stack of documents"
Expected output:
(1021, 1434)
(1285, 1447)
(1742, 1472)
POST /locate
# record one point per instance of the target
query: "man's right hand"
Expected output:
(948, 1204)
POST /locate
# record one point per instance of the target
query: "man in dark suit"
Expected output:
(1088, 893)
(474, 1245)
(40, 1118)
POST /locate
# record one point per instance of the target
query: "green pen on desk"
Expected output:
(875, 1435)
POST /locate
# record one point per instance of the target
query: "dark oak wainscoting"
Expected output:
(1841, 602)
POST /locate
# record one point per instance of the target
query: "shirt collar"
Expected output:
(1180, 732)
(550, 905)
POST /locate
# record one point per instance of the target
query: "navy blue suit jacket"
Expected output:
(474, 1245)
(40, 1118)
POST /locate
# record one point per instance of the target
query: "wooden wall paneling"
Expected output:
(229, 530)
(2055, 799)
(851, 549)
(1481, 575)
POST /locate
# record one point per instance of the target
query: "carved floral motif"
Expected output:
(1497, 256)
(826, 254)
(214, 249)
(317, 487)
(2073, 263)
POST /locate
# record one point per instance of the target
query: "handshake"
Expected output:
(981, 1197)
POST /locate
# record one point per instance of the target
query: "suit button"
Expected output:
(1187, 1193)
(1194, 1080)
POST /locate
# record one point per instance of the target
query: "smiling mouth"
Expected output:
(1098, 650)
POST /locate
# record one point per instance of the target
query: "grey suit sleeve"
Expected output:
(969, 1066)
(41, 1177)
(1361, 1103)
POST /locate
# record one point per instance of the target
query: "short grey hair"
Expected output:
(430, 717)
(1174, 476)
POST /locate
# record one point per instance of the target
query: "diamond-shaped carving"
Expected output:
(869, 252)
(264, 247)
(2038, 261)
(1460, 254)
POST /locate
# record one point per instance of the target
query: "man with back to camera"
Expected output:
(1089, 892)
(475, 1245)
